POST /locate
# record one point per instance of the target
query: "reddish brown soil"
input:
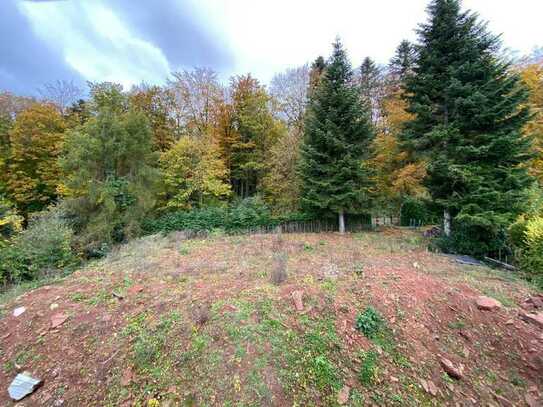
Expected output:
(427, 299)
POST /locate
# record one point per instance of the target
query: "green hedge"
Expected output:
(243, 215)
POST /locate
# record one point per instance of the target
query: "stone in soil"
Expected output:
(23, 385)
(298, 303)
(343, 395)
(452, 370)
(19, 311)
(536, 319)
(58, 319)
(487, 303)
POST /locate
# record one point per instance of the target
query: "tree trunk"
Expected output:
(447, 222)
(341, 222)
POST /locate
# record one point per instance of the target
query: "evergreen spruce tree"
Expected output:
(467, 126)
(371, 87)
(336, 143)
(403, 61)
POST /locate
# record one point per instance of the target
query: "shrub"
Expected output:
(517, 233)
(242, 215)
(370, 322)
(415, 209)
(45, 247)
(532, 258)
(480, 235)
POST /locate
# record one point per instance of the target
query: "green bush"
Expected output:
(414, 209)
(370, 322)
(246, 214)
(478, 236)
(44, 248)
(517, 233)
(532, 258)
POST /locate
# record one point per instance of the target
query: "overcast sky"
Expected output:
(130, 41)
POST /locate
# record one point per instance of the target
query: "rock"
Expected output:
(429, 387)
(19, 311)
(343, 395)
(135, 289)
(531, 400)
(487, 303)
(297, 297)
(23, 385)
(536, 319)
(450, 369)
(53, 306)
(58, 319)
(127, 377)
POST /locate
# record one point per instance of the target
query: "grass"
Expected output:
(368, 367)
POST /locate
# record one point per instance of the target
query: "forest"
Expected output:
(448, 133)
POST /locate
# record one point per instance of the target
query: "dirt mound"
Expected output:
(163, 321)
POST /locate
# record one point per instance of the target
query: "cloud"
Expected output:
(26, 61)
(174, 27)
(124, 41)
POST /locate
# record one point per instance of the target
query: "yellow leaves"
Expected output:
(193, 173)
(532, 76)
(395, 174)
(35, 142)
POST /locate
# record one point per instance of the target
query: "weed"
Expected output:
(358, 269)
(370, 322)
(308, 248)
(458, 324)
(184, 251)
(368, 368)
(516, 380)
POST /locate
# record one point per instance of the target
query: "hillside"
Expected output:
(164, 321)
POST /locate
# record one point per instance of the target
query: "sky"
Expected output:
(134, 41)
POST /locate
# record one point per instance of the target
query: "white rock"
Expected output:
(19, 311)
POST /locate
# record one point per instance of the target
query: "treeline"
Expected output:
(449, 131)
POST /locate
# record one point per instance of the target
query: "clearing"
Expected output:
(164, 321)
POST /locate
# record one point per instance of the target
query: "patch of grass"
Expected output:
(458, 324)
(329, 285)
(149, 341)
(368, 368)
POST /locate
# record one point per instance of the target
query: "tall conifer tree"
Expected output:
(467, 125)
(337, 137)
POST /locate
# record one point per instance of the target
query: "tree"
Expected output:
(158, 105)
(467, 125)
(197, 94)
(281, 185)
(317, 70)
(110, 179)
(252, 133)
(334, 174)
(532, 76)
(403, 62)
(290, 90)
(10, 106)
(61, 94)
(371, 87)
(35, 142)
(194, 174)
